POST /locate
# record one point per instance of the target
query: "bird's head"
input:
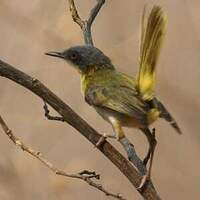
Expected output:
(84, 58)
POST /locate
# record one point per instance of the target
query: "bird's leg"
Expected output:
(152, 143)
(103, 138)
(132, 156)
(129, 148)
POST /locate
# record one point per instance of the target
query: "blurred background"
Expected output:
(30, 28)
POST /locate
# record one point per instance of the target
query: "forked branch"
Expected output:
(86, 25)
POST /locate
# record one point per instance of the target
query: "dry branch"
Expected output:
(71, 117)
(84, 175)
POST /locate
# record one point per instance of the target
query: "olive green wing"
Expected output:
(121, 99)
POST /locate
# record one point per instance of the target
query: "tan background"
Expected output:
(30, 28)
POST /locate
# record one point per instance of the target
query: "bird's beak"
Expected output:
(55, 54)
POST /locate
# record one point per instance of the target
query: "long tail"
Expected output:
(164, 113)
(152, 34)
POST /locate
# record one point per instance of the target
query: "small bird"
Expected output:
(122, 100)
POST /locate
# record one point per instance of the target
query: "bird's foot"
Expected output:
(103, 138)
(144, 181)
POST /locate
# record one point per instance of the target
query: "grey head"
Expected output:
(84, 57)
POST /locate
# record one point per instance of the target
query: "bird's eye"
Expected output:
(73, 56)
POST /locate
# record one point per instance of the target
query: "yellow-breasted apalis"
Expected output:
(120, 99)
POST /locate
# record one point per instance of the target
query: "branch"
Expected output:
(80, 125)
(75, 15)
(94, 12)
(84, 175)
(86, 25)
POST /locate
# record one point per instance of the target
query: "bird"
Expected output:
(123, 100)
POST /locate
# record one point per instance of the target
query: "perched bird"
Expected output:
(122, 100)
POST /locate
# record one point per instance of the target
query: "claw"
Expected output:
(103, 138)
(144, 180)
(100, 141)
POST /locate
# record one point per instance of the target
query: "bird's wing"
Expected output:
(121, 99)
(152, 33)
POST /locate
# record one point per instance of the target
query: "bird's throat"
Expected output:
(94, 76)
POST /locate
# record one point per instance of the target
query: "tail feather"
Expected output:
(164, 113)
(152, 34)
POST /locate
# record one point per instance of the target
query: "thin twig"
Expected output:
(50, 117)
(86, 25)
(75, 15)
(84, 175)
(94, 12)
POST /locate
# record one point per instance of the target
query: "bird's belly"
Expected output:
(124, 120)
